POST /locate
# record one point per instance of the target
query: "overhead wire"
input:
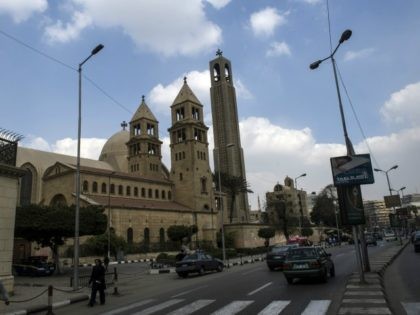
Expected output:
(39, 52)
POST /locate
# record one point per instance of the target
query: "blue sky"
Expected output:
(289, 117)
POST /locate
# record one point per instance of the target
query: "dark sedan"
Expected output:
(275, 257)
(198, 262)
(308, 262)
(34, 266)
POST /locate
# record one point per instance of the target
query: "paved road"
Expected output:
(402, 283)
(248, 289)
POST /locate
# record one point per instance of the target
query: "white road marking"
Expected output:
(363, 293)
(233, 308)
(260, 288)
(274, 308)
(373, 301)
(364, 310)
(128, 307)
(189, 291)
(319, 307)
(158, 307)
(192, 307)
(412, 308)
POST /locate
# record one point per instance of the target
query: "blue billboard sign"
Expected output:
(352, 170)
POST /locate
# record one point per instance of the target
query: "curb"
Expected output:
(120, 262)
(56, 305)
(369, 297)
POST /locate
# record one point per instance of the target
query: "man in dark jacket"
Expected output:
(97, 279)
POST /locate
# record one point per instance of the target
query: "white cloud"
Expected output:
(218, 4)
(176, 30)
(312, 1)
(60, 32)
(403, 106)
(264, 22)
(351, 55)
(36, 143)
(278, 49)
(242, 91)
(89, 147)
(21, 10)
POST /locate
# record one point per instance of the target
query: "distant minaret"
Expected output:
(227, 140)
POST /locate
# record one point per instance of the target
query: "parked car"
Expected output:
(416, 242)
(370, 239)
(275, 257)
(198, 262)
(308, 262)
(390, 236)
(34, 266)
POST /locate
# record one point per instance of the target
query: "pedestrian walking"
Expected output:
(97, 279)
(106, 262)
(3, 294)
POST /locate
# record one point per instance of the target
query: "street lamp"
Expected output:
(109, 214)
(349, 146)
(387, 177)
(300, 203)
(221, 202)
(79, 127)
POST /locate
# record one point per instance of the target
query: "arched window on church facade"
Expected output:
(157, 193)
(94, 187)
(103, 189)
(130, 236)
(58, 201)
(85, 187)
(136, 192)
(26, 184)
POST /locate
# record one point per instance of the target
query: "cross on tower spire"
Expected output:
(185, 80)
(142, 98)
(219, 52)
(124, 125)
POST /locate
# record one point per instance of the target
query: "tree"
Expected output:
(306, 227)
(50, 226)
(98, 244)
(177, 233)
(324, 208)
(287, 224)
(233, 185)
(266, 233)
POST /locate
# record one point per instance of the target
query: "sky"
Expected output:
(289, 115)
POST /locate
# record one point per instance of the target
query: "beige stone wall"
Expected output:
(246, 235)
(8, 200)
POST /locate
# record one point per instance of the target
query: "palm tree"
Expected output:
(233, 185)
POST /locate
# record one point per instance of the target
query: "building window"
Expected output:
(180, 176)
(162, 237)
(136, 192)
(137, 129)
(103, 188)
(150, 129)
(130, 236)
(26, 188)
(146, 237)
(112, 189)
(150, 193)
(163, 194)
(143, 192)
(180, 113)
(85, 186)
(128, 190)
(196, 113)
(203, 185)
(120, 190)
(157, 194)
(94, 187)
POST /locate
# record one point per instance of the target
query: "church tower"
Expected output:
(190, 167)
(227, 140)
(144, 146)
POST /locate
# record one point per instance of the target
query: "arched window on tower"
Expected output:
(85, 186)
(227, 73)
(180, 114)
(146, 237)
(94, 187)
(150, 129)
(137, 129)
(203, 185)
(130, 236)
(216, 73)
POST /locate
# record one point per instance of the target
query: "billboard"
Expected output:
(351, 205)
(352, 170)
(392, 201)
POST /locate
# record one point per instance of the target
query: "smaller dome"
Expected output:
(115, 151)
(278, 187)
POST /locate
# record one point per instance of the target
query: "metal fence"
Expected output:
(84, 280)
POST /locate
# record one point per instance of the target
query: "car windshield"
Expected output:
(302, 253)
(191, 257)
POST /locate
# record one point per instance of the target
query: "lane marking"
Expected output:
(364, 310)
(233, 308)
(192, 307)
(128, 307)
(189, 291)
(411, 308)
(274, 308)
(319, 307)
(260, 288)
(363, 293)
(158, 307)
(251, 271)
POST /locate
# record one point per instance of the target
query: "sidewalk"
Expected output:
(370, 297)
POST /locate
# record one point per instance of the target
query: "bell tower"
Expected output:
(227, 140)
(190, 168)
(144, 146)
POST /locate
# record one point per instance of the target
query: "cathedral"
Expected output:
(142, 196)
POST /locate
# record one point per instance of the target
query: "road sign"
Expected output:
(393, 220)
(392, 201)
(351, 205)
(352, 170)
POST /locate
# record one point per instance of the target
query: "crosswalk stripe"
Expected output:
(158, 307)
(260, 288)
(128, 307)
(233, 308)
(319, 307)
(192, 307)
(274, 308)
(412, 308)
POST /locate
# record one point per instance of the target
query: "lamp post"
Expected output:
(79, 127)
(221, 203)
(109, 215)
(300, 203)
(349, 146)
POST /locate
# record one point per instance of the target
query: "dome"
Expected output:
(278, 187)
(115, 151)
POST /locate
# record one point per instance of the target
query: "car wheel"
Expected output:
(332, 271)
(220, 268)
(289, 280)
(201, 271)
